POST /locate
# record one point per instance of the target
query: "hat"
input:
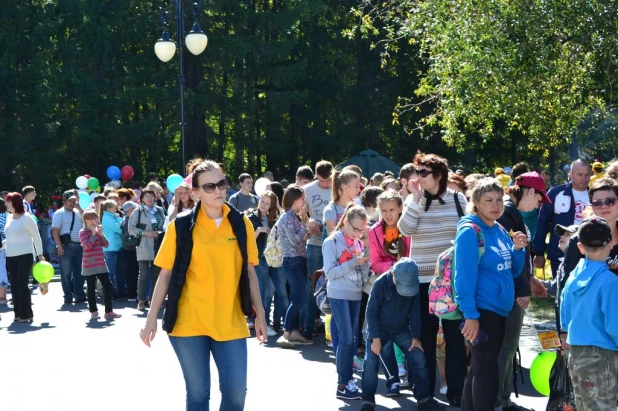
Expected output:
(597, 165)
(406, 277)
(129, 205)
(498, 170)
(561, 230)
(534, 180)
(68, 195)
(595, 232)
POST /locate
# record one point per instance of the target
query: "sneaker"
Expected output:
(284, 342)
(320, 330)
(141, 306)
(358, 364)
(112, 315)
(430, 404)
(443, 390)
(367, 407)
(81, 300)
(271, 331)
(95, 315)
(393, 390)
(68, 301)
(349, 392)
(454, 400)
(404, 383)
(329, 344)
(134, 299)
(402, 370)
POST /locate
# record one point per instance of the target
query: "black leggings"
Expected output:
(481, 387)
(19, 273)
(91, 280)
(455, 347)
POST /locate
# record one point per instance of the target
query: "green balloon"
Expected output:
(43, 272)
(540, 370)
(93, 183)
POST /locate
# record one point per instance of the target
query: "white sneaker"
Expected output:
(271, 331)
(402, 370)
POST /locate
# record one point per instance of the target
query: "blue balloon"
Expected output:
(84, 200)
(113, 173)
(173, 181)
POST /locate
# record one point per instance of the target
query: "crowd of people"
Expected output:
(379, 243)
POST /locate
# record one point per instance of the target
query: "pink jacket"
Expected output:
(381, 261)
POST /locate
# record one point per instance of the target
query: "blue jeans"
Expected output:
(71, 271)
(314, 262)
(345, 314)
(295, 269)
(231, 359)
(415, 361)
(265, 275)
(116, 274)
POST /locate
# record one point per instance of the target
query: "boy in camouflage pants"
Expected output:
(587, 312)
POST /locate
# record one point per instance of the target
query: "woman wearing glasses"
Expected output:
(346, 266)
(204, 281)
(604, 202)
(430, 217)
(146, 222)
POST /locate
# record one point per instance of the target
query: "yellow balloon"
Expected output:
(98, 190)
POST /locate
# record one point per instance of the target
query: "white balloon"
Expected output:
(260, 185)
(81, 182)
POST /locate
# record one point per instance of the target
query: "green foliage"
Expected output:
(539, 68)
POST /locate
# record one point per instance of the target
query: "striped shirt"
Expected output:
(2, 224)
(432, 231)
(62, 220)
(93, 261)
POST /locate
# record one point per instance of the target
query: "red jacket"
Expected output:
(381, 261)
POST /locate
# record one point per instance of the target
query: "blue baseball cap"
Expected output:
(406, 277)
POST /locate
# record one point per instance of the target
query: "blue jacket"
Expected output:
(487, 284)
(112, 230)
(548, 219)
(389, 313)
(588, 307)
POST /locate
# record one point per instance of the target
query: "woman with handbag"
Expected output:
(263, 219)
(147, 223)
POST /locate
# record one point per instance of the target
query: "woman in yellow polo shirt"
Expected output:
(209, 317)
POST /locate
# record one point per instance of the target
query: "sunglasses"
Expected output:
(423, 173)
(608, 202)
(210, 187)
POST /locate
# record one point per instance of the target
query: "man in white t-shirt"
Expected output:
(317, 196)
(568, 202)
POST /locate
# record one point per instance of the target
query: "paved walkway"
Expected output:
(63, 361)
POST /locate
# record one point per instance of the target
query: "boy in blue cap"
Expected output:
(394, 314)
(588, 313)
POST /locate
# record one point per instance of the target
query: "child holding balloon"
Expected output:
(93, 240)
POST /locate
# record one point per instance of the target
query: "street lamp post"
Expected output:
(165, 48)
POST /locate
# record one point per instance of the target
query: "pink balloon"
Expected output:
(189, 180)
(126, 173)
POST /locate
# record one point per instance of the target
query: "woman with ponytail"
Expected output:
(345, 188)
(346, 266)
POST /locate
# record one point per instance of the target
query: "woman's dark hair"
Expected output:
(369, 196)
(438, 166)
(458, 180)
(517, 191)
(2, 205)
(603, 184)
(146, 191)
(17, 201)
(194, 162)
(387, 181)
(291, 195)
(203, 167)
(126, 193)
(519, 169)
(277, 188)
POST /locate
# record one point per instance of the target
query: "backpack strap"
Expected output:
(480, 238)
(460, 210)
(237, 222)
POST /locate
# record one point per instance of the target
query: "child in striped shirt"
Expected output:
(93, 240)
